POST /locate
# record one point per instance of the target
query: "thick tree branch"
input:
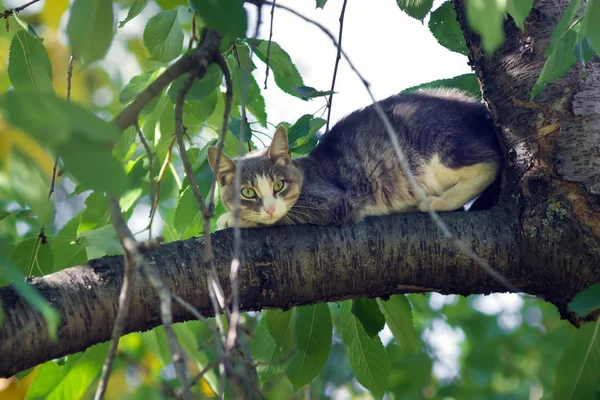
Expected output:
(281, 268)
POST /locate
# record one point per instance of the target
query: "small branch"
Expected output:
(159, 179)
(269, 42)
(192, 33)
(198, 60)
(151, 173)
(133, 261)
(404, 162)
(7, 13)
(337, 62)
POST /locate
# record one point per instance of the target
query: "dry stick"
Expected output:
(269, 42)
(338, 57)
(404, 163)
(161, 173)
(151, 172)
(133, 260)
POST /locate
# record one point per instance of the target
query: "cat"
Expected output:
(353, 172)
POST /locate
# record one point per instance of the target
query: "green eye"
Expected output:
(248, 193)
(278, 186)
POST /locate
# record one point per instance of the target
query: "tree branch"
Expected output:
(402, 253)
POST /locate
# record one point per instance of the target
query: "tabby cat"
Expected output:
(353, 172)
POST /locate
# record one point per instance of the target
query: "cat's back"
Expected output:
(440, 131)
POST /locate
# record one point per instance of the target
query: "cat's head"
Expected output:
(270, 182)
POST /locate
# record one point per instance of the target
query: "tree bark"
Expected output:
(544, 236)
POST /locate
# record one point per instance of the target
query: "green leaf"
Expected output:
(87, 125)
(255, 103)
(90, 29)
(281, 325)
(26, 26)
(28, 64)
(578, 373)
(559, 61)
(303, 130)
(486, 17)
(200, 110)
(592, 22)
(101, 242)
(12, 274)
(563, 26)
(308, 92)
(136, 8)
(313, 333)
(163, 36)
(73, 379)
(234, 127)
(201, 88)
(417, 9)
(398, 316)
(285, 73)
(266, 353)
(321, 3)
(94, 166)
(126, 144)
(583, 51)
(586, 301)
(466, 82)
(137, 84)
(369, 314)
(519, 10)
(67, 250)
(227, 16)
(49, 124)
(446, 29)
(367, 356)
(188, 218)
(95, 214)
(313, 328)
(32, 257)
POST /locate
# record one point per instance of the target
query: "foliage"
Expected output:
(305, 350)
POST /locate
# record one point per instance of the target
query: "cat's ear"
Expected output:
(226, 168)
(279, 150)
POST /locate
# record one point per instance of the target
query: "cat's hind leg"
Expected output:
(468, 183)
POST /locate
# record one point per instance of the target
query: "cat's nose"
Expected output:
(270, 209)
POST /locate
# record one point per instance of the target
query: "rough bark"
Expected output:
(544, 236)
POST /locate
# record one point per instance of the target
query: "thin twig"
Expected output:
(193, 33)
(151, 172)
(269, 43)
(159, 179)
(133, 261)
(338, 57)
(200, 374)
(7, 13)
(404, 162)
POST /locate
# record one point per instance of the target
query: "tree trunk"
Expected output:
(543, 236)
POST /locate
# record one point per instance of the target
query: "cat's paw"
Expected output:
(436, 204)
(225, 221)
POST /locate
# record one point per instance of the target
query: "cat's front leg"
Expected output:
(227, 220)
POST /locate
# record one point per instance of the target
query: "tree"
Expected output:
(538, 76)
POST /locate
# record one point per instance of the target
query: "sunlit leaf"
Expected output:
(281, 326)
(466, 82)
(586, 301)
(90, 29)
(486, 17)
(136, 8)
(227, 16)
(399, 318)
(592, 21)
(446, 29)
(519, 10)
(369, 314)
(201, 88)
(28, 64)
(321, 3)
(285, 73)
(578, 374)
(417, 9)
(266, 353)
(308, 92)
(163, 36)
(101, 242)
(367, 356)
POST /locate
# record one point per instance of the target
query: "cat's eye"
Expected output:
(248, 193)
(278, 186)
